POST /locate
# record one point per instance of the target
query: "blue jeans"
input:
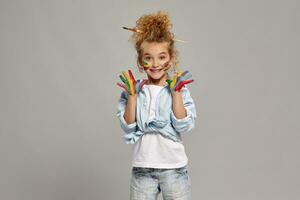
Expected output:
(147, 183)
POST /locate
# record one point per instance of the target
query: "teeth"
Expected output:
(154, 70)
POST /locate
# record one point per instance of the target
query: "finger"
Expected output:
(182, 83)
(125, 74)
(122, 78)
(142, 83)
(169, 81)
(173, 82)
(179, 73)
(125, 81)
(131, 86)
(187, 81)
(185, 75)
(131, 77)
(122, 86)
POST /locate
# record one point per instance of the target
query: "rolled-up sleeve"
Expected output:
(187, 123)
(127, 128)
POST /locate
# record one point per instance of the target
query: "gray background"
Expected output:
(59, 64)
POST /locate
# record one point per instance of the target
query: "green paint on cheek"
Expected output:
(145, 64)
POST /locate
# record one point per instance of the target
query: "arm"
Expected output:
(128, 106)
(130, 109)
(183, 111)
(128, 101)
(177, 105)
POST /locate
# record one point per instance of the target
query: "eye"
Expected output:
(162, 57)
(147, 58)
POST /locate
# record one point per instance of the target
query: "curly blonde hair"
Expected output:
(154, 27)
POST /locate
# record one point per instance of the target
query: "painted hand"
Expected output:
(179, 80)
(131, 86)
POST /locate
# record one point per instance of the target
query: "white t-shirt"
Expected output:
(154, 150)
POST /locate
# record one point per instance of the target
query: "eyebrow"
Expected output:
(146, 54)
(163, 53)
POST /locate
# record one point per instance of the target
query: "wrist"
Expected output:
(132, 96)
(176, 93)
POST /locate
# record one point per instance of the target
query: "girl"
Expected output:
(154, 112)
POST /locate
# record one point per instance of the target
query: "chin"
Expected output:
(157, 76)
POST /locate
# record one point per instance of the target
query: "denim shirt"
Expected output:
(164, 122)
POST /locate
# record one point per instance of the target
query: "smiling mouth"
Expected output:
(155, 70)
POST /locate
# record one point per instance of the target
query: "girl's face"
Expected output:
(156, 55)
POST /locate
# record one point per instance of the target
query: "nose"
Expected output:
(155, 63)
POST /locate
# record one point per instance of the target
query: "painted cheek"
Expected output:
(146, 64)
